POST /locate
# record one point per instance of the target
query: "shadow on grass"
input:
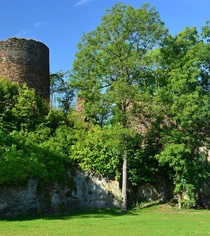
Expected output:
(105, 213)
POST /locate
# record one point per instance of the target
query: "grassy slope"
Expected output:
(158, 220)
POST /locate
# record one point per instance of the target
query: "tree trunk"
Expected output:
(124, 182)
(179, 201)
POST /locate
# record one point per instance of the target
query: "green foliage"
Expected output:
(17, 161)
(111, 63)
(20, 108)
(181, 97)
(98, 150)
(30, 137)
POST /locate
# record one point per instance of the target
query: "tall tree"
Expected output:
(112, 67)
(61, 94)
(182, 100)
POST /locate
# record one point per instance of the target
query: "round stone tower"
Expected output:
(26, 61)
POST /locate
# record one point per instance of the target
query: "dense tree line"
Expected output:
(145, 109)
(134, 76)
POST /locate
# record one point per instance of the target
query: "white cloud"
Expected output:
(82, 2)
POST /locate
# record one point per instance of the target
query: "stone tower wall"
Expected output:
(26, 61)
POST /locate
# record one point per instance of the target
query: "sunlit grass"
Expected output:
(157, 220)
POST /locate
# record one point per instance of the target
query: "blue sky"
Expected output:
(59, 24)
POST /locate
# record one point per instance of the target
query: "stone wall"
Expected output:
(26, 61)
(160, 190)
(81, 191)
(17, 200)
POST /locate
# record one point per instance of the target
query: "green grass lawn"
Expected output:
(157, 220)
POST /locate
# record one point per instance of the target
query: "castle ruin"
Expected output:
(26, 61)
